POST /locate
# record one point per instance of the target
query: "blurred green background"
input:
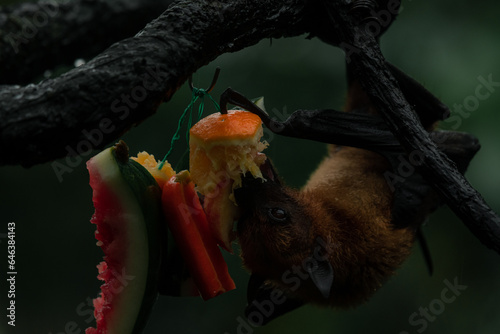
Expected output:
(445, 45)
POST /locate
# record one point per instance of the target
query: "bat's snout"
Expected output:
(253, 187)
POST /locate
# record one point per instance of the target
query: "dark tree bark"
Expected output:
(94, 104)
(65, 32)
(125, 84)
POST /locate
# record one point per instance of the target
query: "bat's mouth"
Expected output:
(269, 175)
(268, 171)
(248, 194)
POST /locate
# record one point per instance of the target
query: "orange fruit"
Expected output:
(235, 125)
(223, 147)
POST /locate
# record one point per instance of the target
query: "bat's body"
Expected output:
(345, 208)
(354, 208)
(345, 211)
(337, 240)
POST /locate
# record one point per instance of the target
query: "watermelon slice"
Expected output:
(129, 221)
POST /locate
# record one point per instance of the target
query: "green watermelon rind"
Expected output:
(149, 198)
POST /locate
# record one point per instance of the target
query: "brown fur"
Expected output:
(355, 214)
(346, 204)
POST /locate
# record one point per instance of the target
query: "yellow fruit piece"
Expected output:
(223, 147)
(148, 161)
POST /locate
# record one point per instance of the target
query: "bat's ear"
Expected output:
(321, 273)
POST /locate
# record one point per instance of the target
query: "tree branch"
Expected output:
(369, 66)
(65, 31)
(96, 103)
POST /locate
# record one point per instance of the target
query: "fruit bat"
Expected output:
(339, 238)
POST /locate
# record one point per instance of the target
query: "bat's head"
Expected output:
(273, 223)
(277, 235)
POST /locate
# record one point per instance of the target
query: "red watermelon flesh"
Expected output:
(127, 214)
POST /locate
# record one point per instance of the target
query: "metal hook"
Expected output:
(212, 85)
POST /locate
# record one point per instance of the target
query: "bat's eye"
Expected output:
(277, 214)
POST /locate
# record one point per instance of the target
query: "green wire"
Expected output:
(197, 92)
